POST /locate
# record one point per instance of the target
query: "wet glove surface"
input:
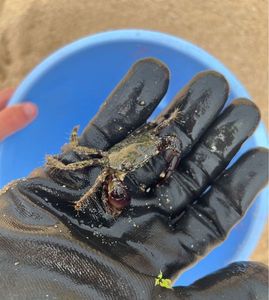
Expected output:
(182, 200)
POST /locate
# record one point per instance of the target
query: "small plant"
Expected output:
(165, 283)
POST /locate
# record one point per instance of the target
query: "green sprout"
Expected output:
(165, 283)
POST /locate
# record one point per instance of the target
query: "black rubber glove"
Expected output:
(49, 250)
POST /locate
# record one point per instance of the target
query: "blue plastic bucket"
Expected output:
(70, 85)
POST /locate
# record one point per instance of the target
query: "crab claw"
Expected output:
(172, 156)
(118, 195)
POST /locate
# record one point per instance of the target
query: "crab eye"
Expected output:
(118, 195)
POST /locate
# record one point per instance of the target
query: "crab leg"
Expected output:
(73, 139)
(172, 154)
(74, 146)
(162, 122)
(173, 160)
(54, 163)
(87, 151)
(82, 202)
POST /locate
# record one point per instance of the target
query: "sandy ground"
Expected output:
(233, 31)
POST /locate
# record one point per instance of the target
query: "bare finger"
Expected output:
(15, 118)
(5, 95)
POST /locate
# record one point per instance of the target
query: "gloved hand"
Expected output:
(101, 221)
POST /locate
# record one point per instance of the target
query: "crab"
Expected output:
(132, 153)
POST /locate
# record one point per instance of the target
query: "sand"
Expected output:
(234, 31)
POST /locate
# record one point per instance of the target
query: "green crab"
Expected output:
(123, 158)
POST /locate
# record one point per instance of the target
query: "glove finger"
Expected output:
(198, 105)
(210, 156)
(207, 221)
(237, 281)
(129, 105)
